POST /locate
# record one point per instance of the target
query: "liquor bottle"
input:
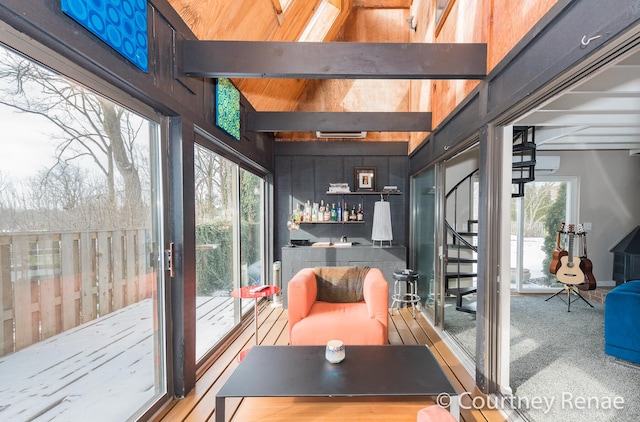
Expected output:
(352, 214)
(321, 211)
(360, 216)
(339, 212)
(306, 216)
(314, 212)
(327, 213)
(345, 212)
(333, 216)
(296, 213)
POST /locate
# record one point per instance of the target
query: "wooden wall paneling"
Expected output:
(464, 23)
(510, 22)
(420, 90)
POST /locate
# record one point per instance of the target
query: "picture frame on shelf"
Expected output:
(365, 178)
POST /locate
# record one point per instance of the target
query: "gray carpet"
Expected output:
(558, 357)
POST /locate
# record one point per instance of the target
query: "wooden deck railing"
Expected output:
(52, 282)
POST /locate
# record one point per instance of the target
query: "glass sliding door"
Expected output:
(230, 248)
(251, 228)
(81, 279)
(424, 239)
(217, 247)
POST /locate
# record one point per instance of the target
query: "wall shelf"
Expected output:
(367, 192)
(331, 222)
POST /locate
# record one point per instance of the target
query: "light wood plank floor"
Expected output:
(199, 405)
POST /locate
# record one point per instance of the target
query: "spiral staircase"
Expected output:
(461, 245)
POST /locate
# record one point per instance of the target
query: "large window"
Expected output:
(229, 243)
(535, 220)
(82, 321)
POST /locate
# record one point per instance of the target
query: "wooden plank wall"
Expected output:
(500, 24)
(52, 282)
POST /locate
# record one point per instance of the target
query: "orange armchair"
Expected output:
(338, 303)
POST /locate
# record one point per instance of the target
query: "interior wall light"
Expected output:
(411, 24)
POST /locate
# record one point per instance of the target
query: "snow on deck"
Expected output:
(103, 370)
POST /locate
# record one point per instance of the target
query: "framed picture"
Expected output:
(365, 178)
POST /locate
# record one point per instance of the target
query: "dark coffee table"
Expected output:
(367, 371)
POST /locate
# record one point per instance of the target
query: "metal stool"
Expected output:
(410, 294)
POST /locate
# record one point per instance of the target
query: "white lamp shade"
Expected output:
(381, 230)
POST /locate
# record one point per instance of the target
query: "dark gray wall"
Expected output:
(305, 169)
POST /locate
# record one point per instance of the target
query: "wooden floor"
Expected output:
(199, 405)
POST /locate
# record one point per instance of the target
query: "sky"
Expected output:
(24, 150)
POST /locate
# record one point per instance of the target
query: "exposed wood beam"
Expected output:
(334, 60)
(273, 121)
(277, 6)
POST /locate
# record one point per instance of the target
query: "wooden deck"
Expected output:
(61, 377)
(199, 405)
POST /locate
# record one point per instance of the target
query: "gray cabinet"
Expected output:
(386, 258)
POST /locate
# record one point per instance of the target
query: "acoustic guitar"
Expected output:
(585, 263)
(569, 271)
(558, 253)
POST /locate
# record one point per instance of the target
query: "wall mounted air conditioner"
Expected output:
(341, 135)
(547, 164)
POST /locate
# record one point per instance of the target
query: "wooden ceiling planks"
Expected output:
(282, 94)
(228, 20)
(255, 20)
(362, 25)
(383, 4)
(375, 21)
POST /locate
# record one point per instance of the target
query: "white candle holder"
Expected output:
(335, 352)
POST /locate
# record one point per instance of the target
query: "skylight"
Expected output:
(320, 22)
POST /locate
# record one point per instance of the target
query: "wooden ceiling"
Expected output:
(310, 20)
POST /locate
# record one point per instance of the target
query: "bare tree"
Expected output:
(213, 184)
(537, 202)
(91, 127)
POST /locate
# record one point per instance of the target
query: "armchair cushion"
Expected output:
(340, 284)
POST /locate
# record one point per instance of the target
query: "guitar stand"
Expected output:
(569, 288)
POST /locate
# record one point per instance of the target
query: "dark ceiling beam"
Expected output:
(275, 121)
(333, 60)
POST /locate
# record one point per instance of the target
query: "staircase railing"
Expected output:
(460, 252)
